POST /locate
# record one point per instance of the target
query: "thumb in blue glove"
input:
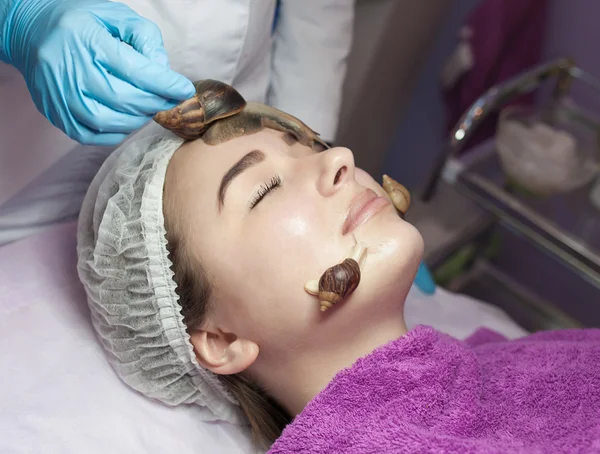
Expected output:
(95, 68)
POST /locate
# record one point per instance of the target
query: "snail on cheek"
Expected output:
(338, 282)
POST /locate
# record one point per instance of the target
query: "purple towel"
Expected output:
(428, 392)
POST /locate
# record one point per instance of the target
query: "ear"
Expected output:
(223, 353)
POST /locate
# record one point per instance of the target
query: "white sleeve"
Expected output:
(311, 45)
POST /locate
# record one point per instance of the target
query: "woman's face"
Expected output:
(264, 214)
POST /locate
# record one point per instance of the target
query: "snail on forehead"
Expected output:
(218, 113)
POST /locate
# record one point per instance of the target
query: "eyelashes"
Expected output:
(265, 189)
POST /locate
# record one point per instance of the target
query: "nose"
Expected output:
(336, 168)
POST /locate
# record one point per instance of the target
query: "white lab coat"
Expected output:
(299, 69)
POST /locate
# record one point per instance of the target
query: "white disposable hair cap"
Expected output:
(126, 271)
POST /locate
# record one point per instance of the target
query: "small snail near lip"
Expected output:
(339, 281)
(398, 193)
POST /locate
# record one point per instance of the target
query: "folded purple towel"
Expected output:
(428, 392)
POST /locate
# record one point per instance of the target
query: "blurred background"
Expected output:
(414, 69)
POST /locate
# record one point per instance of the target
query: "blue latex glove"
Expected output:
(424, 280)
(94, 68)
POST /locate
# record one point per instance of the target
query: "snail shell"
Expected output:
(213, 101)
(398, 193)
(338, 282)
(218, 113)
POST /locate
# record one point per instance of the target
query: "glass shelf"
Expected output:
(567, 226)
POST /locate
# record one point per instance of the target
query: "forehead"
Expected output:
(196, 158)
(197, 168)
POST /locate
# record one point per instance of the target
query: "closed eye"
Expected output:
(265, 189)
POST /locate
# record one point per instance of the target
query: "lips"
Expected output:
(362, 208)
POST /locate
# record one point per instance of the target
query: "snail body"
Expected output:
(256, 117)
(218, 113)
(398, 193)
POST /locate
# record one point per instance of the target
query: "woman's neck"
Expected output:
(300, 377)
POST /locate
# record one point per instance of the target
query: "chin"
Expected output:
(391, 239)
(395, 250)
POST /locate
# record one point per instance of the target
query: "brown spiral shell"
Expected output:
(213, 100)
(338, 282)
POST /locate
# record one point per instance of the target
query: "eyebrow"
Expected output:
(249, 160)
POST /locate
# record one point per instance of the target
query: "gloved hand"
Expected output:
(94, 68)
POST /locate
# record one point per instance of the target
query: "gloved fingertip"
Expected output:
(82, 138)
(139, 122)
(170, 104)
(184, 89)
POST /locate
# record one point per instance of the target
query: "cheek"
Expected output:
(296, 244)
(402, 245)
(296, 222)
(264, 266)
(266, 276)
